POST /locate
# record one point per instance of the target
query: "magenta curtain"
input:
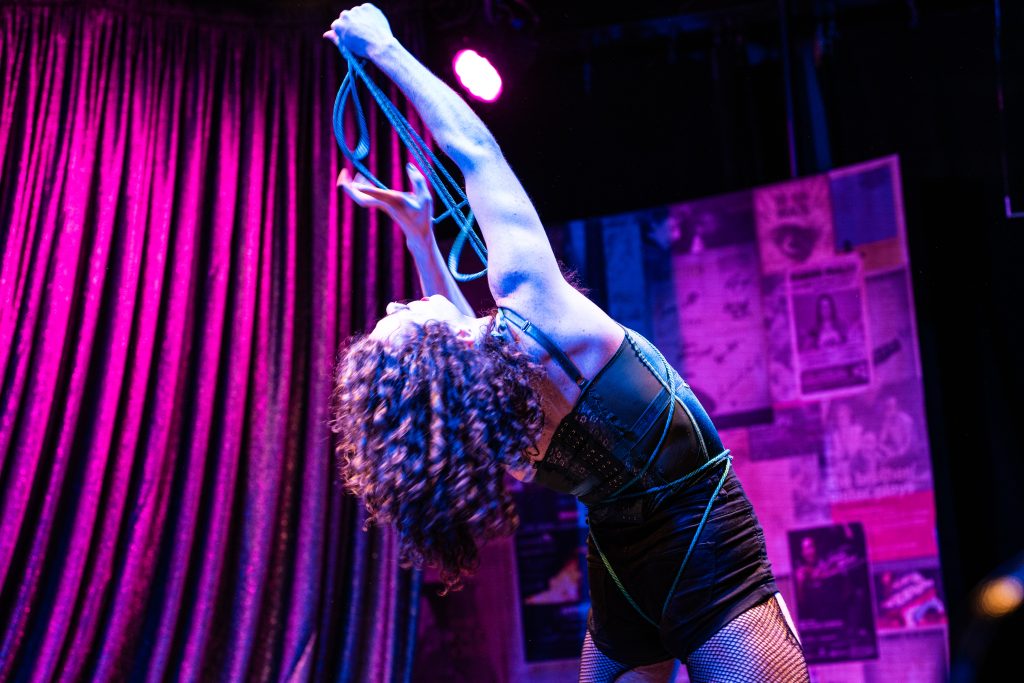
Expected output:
(178, 273)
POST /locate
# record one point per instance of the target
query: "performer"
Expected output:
(435, 404)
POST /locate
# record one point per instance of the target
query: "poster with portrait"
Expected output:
(829, 327)
(876, 444)
(833, 593)
(794, 224)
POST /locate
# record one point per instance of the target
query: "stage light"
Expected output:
(477, 75)
(1001, 596)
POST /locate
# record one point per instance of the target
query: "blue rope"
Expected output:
(454, 199)
(723, 459)
(618, 583)
(724, 456)
(621, 492)
(700, 527)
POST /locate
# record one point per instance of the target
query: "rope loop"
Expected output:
(447, 189)
(722, 460)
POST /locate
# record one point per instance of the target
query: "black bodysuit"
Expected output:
(659, 490)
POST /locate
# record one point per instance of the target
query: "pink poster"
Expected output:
(909, 596)
(719, 289)
(897, 528)
(794, 224)
(790, 312)
(876, 444)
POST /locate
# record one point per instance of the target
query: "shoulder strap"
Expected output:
(544, 340)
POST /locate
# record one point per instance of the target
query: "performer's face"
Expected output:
(401, 319)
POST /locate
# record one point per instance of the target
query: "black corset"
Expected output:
(607, 439)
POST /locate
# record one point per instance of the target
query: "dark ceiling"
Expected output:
(549, 17)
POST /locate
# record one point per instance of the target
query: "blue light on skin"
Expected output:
(397, 324)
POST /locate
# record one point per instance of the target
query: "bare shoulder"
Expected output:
(576, 324)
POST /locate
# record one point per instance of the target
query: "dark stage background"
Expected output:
(615, 107)
(606, 120)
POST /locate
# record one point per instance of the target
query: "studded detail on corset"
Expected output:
(608, 437)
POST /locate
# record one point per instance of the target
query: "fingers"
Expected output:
(335, 32)
(352, 186)
(388, 196)
(419, 184)
(363, 200)
(367, 195)
(346, 178)
(364, 186)
(354, 191)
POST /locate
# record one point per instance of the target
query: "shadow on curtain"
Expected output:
(178, 273)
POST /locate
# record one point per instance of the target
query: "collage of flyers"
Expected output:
(789, 310)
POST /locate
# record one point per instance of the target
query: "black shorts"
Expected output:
(727, 573)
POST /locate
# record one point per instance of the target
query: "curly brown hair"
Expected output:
(427, 428)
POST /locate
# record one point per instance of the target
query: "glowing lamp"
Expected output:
(1001, 596)
(477, 75)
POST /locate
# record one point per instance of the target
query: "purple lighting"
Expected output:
(477, 75)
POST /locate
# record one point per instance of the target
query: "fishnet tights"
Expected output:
(595, 667)
(758, 646)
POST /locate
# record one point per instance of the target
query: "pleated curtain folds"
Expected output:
(178, 274)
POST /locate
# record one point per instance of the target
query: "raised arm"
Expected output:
(520, 260)
(413, 212)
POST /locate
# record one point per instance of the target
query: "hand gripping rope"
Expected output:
(449, 191)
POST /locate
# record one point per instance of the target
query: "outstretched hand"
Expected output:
(360, 29)
(413, 211)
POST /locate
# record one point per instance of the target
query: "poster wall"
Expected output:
(789, 310)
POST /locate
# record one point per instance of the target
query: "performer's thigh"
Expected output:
(596, 667)
(758, 646)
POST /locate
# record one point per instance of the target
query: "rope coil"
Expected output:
(446, 188)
